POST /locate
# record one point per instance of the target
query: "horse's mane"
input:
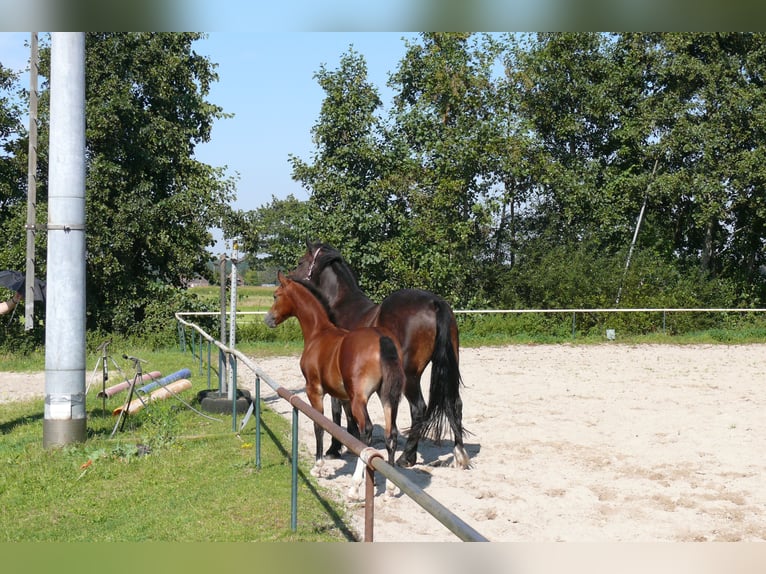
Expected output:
(329, 256)
(319, 297)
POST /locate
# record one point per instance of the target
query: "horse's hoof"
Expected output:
(405, 461)
(462, 460)
(353, 494)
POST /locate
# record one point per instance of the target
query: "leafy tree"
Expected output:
(149, 201)
(275, 234)
(13, 172)
(517, 188)
(712, 132)
(443, 113)
(350, 204)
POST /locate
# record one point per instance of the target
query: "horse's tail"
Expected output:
(444, 402)
(391, 366)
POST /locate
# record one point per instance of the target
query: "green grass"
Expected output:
(249, 298)
(174, 475)
(169, 475)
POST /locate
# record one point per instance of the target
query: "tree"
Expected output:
(350, 205)
(444, 115)
(712, 89)
(275, 234)
(149, 203)
(13, 172)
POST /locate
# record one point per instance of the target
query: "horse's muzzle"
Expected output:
(269, 320)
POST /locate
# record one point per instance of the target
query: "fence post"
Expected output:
(233, 390)
(221, 372)
(209, 366)
(369, 504)
(199, 350)
(182, 337)
(294, 491)
(257, 407)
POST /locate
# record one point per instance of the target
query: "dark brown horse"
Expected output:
(424, 326)
(349, 365)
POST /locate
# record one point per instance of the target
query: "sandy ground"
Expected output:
(600, 443)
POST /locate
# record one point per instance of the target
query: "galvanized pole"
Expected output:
(233, 321)
(29, 295)
(294, 482)
(222, 382)
(64, 420)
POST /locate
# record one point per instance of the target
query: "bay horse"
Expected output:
(349, 365)
(424, 326)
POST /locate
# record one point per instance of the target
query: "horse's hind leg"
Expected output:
(462, 460)
(362, 417)
(417, 413)
(392, 435)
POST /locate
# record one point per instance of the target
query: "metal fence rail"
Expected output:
(371, 457)
(585, 311)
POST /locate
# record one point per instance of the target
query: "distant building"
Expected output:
(197, 281)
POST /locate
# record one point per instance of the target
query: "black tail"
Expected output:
(444, 402)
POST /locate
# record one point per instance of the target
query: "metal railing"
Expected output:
(583, 311)
(372, 458)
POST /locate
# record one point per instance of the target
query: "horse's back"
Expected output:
(412, 315)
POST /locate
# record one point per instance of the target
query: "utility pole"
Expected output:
(29, 295)
(64, 421)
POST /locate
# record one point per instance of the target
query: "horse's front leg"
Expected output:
(319, 460)
(336, 406)
(317, 401)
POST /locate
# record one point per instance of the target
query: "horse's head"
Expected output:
(318, 256)
(283, 306)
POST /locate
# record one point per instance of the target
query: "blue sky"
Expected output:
(266, 80)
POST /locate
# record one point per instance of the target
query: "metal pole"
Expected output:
(233, 389)
(369, 504)
(221, 360)
(29, 295)
(209, 356)
(257, 405)
(233, 320)
(181, 338)
(65, 417)
(294, 489)
(199, 351)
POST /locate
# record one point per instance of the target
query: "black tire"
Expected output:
(212, 402)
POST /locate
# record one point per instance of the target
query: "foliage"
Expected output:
(351, 202)
(518, 169)
(13, 173)
(278, 231)
(510, 170)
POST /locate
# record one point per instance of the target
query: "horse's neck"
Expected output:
(350, 305)
(311, 316)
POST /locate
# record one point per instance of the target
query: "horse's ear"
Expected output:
(308, 244)
(281, 277)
